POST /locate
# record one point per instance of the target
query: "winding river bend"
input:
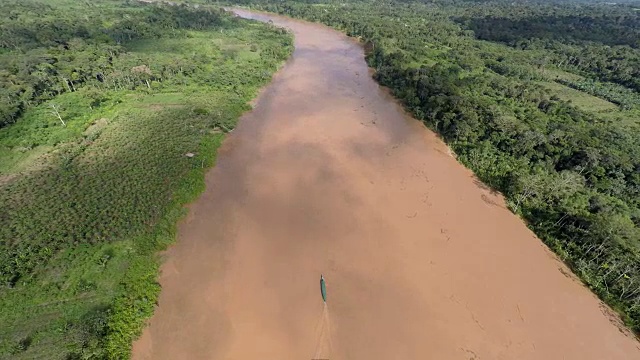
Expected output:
(328, 175)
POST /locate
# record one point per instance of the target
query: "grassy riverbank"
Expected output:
(114, 116)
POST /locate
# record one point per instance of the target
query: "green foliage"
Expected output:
(479, 74)
(89, 197)
(580, 99)
(619, 95)
(48, 52)
(599, 40)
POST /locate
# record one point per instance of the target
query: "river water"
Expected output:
(328, 175)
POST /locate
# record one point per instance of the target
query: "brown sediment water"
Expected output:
(328, 175)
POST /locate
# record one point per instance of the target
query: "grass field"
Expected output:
(87, 206)
(580, 99)
(592, 104)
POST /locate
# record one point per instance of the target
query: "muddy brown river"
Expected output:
(328, 175)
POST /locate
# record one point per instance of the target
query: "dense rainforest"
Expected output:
(541, 100)
(110, 113)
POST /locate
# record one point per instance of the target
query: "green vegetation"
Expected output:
(579, 99)
(110, 115)
(539, 99)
